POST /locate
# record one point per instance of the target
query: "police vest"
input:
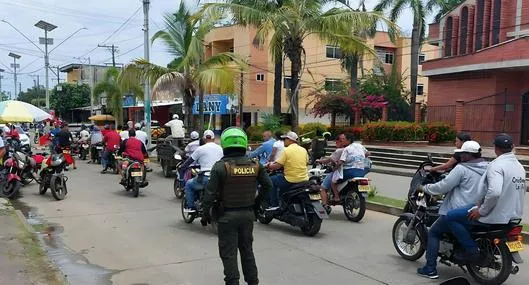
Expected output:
(240, 185)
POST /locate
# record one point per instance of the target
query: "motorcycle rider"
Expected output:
(96, 137)
(134, 149)
(84, 135)
(112, 141)
(177, 129)
(232, 184)
(193, 145)
(265, 149)
(141, 135)
(205, 156)
(341, 143)
(124, 134)
(459, 188)
(461, 138)
(64, 142)
(277, 148)
(500, 198)
(294, 161)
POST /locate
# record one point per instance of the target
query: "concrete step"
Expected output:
(396, 165)
(398, 156)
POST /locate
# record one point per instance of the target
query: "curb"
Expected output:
(392, 172)
(30, 229)
(397, 211)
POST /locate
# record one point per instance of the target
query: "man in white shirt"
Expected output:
(177, 127)
(124, 134)
(141, 135)
(193, 145)
(277, 147)
(205, 156)
(84, 135)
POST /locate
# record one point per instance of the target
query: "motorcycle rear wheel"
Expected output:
(26, 178)
(188, 217)
(402, 247)
(58, 187)
(178, 188)
(314, 225)
(352, 202)
(262, 216)
(11, 189)
(135, 188)
(499, 250)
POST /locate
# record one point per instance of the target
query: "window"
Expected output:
(287, 81)
(260, 77)
(464, 31)
(448, 36)
(333, 52)
(496, 22)
(420, 89)
(385, 55)
(332, 84)
(479, 23)
(422, 58)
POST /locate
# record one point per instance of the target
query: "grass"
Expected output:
(37, 263)
(525, 227)
(387, 201)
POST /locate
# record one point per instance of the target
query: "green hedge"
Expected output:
(310, 129)
(255, 133)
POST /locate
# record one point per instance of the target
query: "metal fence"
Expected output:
(446, 114)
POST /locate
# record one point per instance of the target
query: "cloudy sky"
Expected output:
(105, 22)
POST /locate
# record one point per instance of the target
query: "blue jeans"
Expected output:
(191, 188)
(460, 226)
(347, 174)
(434, 234)
(280, 185)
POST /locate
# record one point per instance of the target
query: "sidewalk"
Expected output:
(22, 261)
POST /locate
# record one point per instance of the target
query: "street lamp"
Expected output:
(14, 65)
(47, 27)
(1, 77)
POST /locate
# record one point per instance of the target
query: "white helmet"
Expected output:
(175, 116)
(194, 135)
(137, 126)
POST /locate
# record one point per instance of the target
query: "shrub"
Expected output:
(439, 132)
(405, 131)
(311, 128)
(255, 133)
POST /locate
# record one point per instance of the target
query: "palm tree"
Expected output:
(444, 6)
(115, 91)
(295, 21)
(420, 10)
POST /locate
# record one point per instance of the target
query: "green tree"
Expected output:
(190, 72)
(444, 6)
(35, 96)
(420, 10)
(288, 26)
(65, 97)
(114, 91)
(3, 96)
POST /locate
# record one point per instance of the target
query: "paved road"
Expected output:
(102, 235)
(397, 187)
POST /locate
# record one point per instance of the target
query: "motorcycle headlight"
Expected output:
(177, 156)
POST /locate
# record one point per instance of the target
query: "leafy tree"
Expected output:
(3, 96)
(35, 96)
(287, 27)
(420, 10)
(445, 6)
(190, 72)
(65, 97)
(115, 90)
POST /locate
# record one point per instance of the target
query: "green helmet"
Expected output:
(233, 137)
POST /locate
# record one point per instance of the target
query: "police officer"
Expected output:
(231, 193)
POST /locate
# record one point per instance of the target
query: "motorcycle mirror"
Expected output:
(456, 281)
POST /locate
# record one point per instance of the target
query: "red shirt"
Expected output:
(112, 140)
(134, 149)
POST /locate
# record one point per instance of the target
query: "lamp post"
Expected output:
(47, 27)
(1, 77)
(14, 65)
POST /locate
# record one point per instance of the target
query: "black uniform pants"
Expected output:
(235, 230)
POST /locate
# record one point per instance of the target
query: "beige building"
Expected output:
(84, 73)
(322, 68)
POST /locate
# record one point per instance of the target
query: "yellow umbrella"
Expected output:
(102, 118)
(18, 111)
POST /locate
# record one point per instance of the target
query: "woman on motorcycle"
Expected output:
(461, 138)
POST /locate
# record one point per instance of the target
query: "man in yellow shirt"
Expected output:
(294, 161)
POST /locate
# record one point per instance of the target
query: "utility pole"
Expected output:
(113, 49)
(58, 73)
(14, 65)
(47, 27)
(1, 77)
(147, 93)
(241, 101)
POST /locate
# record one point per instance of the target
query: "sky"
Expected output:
(106, 24)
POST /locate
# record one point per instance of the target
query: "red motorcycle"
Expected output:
(11, 176)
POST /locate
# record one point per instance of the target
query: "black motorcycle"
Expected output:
(299, 207)
(52, 176)
(189, 217)
(499, 244)
(134, 176)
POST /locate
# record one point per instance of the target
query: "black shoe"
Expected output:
(466, 257)
(103, 171)
(427, 272)
(144, 184)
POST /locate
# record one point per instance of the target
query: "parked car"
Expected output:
(24, 137)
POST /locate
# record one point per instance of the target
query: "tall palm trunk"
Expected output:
(414, 69)
(189, 101)
(295, 68)
(200, 110)
(278, 82)
(353, 70)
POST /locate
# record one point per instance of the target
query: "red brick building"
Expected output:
(480, 83)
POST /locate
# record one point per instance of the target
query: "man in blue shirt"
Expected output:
(264, 151)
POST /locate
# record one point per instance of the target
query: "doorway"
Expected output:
(525, 119)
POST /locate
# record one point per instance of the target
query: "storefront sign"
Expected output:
(215, 104)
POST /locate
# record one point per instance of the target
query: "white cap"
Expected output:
(470, 147)
(194, 135)
(137, 126)
(175, 116)
(209, 134)
(290, 135)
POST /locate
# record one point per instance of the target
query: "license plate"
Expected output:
(99, 147)
(66, 151)
(135, 174)
(363, 188)
(515, 246)
(315, 196)
(146, 160)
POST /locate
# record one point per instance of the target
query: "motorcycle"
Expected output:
(353, 193)
(98, 152)
(499, 244)
(11, 176)
(180, 182)
(52, 175)
(299, 207)
(29, 165)
(189, 217)
(133, 175)
(83, 150)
